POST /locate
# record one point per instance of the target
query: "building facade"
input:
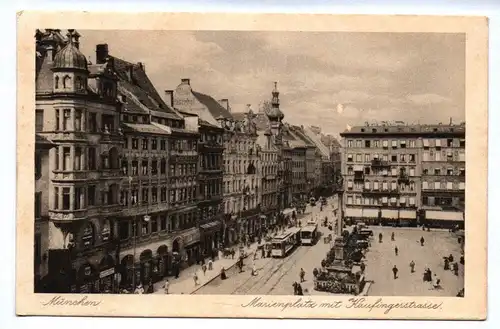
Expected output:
(393, 174)
(240, 160)
(80, 115)
(210, 181)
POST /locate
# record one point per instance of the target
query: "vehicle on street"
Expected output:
(284, 243)
(309, 234)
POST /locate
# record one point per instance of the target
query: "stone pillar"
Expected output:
(61, 157)
(60, 197)
(83, 158)
(72, 198)
(83, 123)
(72, 155)
(82, 198)
(72, 120)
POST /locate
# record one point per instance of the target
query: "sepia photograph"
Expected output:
(271, 163)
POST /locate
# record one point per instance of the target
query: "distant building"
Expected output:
(240, 160)
(405, 174)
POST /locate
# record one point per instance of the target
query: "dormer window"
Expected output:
(66, 81)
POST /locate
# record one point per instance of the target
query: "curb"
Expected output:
(216, 276)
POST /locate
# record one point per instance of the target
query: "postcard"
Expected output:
(252, 165)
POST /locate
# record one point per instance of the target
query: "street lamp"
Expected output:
(146, 218)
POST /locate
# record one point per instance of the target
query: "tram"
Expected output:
(309, 233)
(284, 243)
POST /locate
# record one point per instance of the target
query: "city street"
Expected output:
(381, 257)
(276, 275)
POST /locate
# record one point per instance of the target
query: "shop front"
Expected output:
(370, 215)
(190, 242)
(146, 268)
(209, 236)
(162, 264)
(390, 217)
(96, 276)
(408, 217)
(444, 219)
(352, 215)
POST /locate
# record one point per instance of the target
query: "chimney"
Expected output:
(101, 53)
(186, 81)
(142, 66)
(225, 104)
(169, 97)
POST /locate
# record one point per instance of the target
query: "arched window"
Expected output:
(57, 82)
(78, 83)
(66, 81)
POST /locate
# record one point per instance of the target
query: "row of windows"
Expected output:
(239, 185)
(376, 201)
(383, 186)
(444, 155)
(211, 139)
(154, 143)
(366, 158)
(399, 143)
(444, 171)
(77, 198)
(269, 157)
(443, 185)
(160, 223)
(245, 146)
(75, 120)
(147, 195)
(146, 119)
(210, 161)
(239, 167)
(210, 187)
(411, 171)
(240, 204)
(442, 201)
(153, 167)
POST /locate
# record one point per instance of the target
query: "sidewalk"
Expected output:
(185, 283)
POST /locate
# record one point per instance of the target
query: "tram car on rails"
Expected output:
(284, 243)
(309, 233)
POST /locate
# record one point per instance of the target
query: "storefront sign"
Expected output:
(191, 237)
(107, 272)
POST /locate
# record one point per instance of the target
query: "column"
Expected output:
(72, 198)
(83, 123)
(72, 120)
(72, 153)
(83, 158)
(61, 118)
(83, 192)
(60, 197)
(61, 157)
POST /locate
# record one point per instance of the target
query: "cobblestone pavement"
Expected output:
(381, 257)
(276, 275)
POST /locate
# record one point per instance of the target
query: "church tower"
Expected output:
(275, 115)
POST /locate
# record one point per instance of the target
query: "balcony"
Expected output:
(69, 175)
(359, 176)
(111, 173)
(110, 209)
(210, 146)
(63, 136)
(403, 179)
(380, 192)
(377, 163)
(57, 215)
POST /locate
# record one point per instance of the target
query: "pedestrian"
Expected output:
(166, 286)
(380, 238)
(422, 240)
(263, 252)
(395, 272)
(294, 285)
(195, 278)
(396, 250)
(302, 275)
(150, 286)
(412, 266)
(446, 263)
(254, 270)
(204, 269)
(362, 266)
(223, 274)
(451, 258)
(139, 289)
(232, 253)
(462, 260)
(254, 256)
(299, 290)
(455, 269)
(392, 236)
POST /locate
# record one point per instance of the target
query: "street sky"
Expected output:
(325, 79)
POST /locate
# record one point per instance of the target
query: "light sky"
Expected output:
(325, 79)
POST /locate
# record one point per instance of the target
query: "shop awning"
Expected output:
(210, 226)
(389, 213)
(354, 212)
(457, 216)
(407, 214)
(370, 213)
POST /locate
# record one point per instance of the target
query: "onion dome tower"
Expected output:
(70, 67)
(275, 115)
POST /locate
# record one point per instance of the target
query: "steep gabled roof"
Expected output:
(133, 78)
(316, 139)
(214, 107)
